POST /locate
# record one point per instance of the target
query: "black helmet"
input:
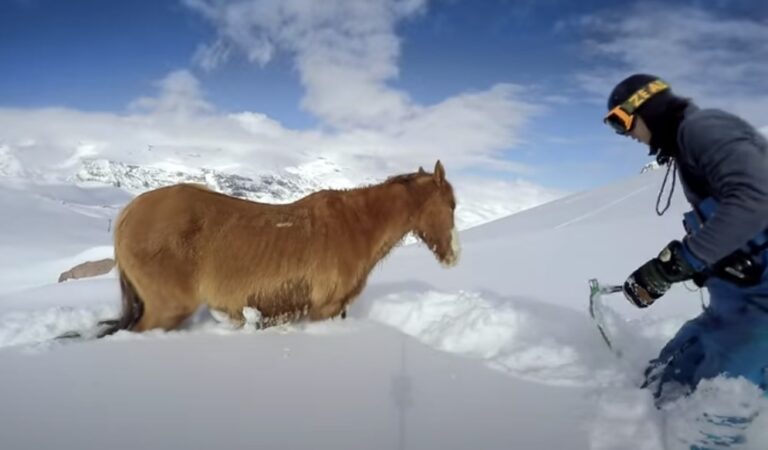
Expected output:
(627, 87)
(639, 94)
(651, 98)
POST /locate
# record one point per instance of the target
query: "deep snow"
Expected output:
(498, 352)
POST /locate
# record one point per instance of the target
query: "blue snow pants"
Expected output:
(729, 338)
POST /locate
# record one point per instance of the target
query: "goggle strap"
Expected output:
(642, 95)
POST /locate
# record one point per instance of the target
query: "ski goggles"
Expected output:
(622, 117)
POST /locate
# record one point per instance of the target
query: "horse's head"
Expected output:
(434, 221)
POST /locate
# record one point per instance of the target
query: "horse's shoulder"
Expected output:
(314, 198)
(198, 186)
(190, 187)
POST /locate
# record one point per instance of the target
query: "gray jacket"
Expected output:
(723, 157)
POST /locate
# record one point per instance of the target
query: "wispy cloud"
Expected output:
(719, 61)
(211, 56)
(177, 123)
(178, 128)
(346, 53)
(344, 50)
(180, 94)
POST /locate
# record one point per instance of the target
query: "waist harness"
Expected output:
(745, 266)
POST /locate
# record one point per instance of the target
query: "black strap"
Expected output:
(670, 165)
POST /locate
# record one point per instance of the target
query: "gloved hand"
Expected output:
(654, 278)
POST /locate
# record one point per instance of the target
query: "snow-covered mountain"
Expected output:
(279, 187)
(292, 183)
(479, 201)
(495, 353)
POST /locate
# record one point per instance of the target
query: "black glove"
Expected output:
(654, 278)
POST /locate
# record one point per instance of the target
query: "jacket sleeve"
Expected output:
(735, 165)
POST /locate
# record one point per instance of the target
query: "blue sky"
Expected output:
(560, 57)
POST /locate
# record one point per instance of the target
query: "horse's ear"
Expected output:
(439, 173)
(421, 171)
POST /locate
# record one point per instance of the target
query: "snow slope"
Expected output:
(48, 229)
(497, 352)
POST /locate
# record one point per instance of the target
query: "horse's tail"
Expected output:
(133, 309)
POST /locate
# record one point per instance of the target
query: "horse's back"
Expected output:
(158, 226)
(179, 203)
(185, 221)
(159, 208)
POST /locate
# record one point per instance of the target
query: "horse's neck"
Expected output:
(390, 211)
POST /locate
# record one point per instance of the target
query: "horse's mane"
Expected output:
(405, 177)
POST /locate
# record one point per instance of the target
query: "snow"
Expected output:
(496, 352)
(306, 389)
(46, 230)
(522, 338)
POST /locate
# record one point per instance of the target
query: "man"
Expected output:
(722, 162)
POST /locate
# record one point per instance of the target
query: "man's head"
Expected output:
(629, 99)
(643, 107)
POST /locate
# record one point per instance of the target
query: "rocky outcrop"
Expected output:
(88, 269)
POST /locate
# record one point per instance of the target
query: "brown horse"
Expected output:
(183, 246)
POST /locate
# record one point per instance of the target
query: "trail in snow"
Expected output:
(523, 338)
(527, 339)
(602, 208)
(532, 341)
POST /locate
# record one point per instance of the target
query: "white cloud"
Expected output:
(180, 94)
(176, 124)
(210, 56)
(50, 142)
(346, 52)
(719, 61)
(46, 138)
(466, 131)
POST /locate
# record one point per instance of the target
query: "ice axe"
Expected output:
(596, 291)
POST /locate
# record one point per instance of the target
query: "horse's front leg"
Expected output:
(246, 318)
(327, 311)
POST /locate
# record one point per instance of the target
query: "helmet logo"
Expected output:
(643, 94)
